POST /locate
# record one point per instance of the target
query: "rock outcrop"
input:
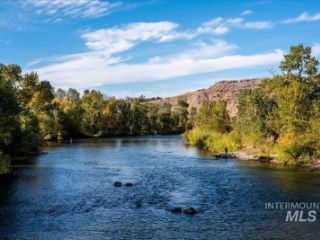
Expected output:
(224, 90)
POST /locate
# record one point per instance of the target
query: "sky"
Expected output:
(153, 47)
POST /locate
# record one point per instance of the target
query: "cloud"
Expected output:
(94, 70)
(201, 50)
(219, 26)
(103, 62)
(120, 39)
(303, 17)
(247, 13)
(316, 49)
(258, 25)
(57, 9)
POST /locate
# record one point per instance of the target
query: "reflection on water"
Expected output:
(68, 193)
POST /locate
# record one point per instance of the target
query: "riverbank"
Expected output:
(234, 145)
(253, 154)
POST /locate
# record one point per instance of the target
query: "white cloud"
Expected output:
(120, 39)
(102, 63)
(93, 70)
(203, 50)
(219, 26)
(258, 25)
(304, 17)
(316, 49)
(247, 12)
(71, 8)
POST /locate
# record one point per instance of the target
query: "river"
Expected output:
(68, 193)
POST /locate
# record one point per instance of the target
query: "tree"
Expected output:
(92, 103)
(182, 115)
(165, 121)
(60, 94)
(254, 107)
(71, 118)
(41, 105)
(153, 123)
(299, 62)
(11, 73)
(28, 87)
(192, 118)
(110, 116)
(213, 115)
(292, 110)
(73, 95)
(9, 117)
(124, 115)
(138, 120)
(17, 132)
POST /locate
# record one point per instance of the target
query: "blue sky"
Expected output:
(153, 47)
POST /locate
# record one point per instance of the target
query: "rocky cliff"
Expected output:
(224, 90)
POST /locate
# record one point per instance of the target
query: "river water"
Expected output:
(68, 193)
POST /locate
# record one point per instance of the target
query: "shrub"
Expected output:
(213, 141)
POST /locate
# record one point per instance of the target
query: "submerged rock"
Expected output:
(129, 184)
(176, 209)
(117, 184)
(190, 211)
(138, 203)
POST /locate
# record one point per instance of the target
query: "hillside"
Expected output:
(224, 90)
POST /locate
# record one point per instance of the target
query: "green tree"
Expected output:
(17, 133)
(9, 117)
(153, 123)
(165, 121)
(139, 118)
(60, 94)
(110, 115)
(92, 103)
(73, 95)
(182, 115)
(124, 116)
(254, 107)
(299, 62)
(213, 115)
(28, 87)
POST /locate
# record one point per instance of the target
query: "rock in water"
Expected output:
(176, 209)
(190, 211)
(138, 203)
(129, 184)
(117, 184)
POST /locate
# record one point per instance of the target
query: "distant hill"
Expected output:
(224, 90)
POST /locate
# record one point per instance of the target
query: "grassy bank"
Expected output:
(232, 144)
(280, 119)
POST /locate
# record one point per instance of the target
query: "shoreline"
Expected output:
(243, 155)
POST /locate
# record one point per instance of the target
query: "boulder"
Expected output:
(190, 211)
(138, 203)
(117, 184)
(176, 209)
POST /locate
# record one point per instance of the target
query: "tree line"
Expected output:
(32, 112)
(281, 118)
